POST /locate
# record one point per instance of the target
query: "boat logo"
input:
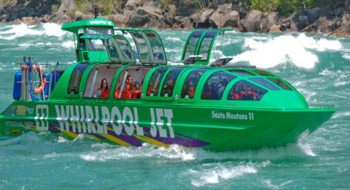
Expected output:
(42, 114)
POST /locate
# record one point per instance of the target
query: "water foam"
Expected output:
(53, 29)
(283, 49)
(147, 150)
(268, 183)
(105, 152)
(19, 30)
(26, 138)
(341, 114)
(173, 39)
(219, 173)
(346, 55)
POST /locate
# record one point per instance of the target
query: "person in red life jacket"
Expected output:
(235, 94)
(243, 94)
(189, 89)
(116, 93)
(103, 91)
(150, 89)
(126, 93)
(251, 94)
(137, 91)
(129, 82)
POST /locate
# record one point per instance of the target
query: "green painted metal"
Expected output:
(79, 29)
(96, 22)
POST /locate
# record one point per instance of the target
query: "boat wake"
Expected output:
(27, 138)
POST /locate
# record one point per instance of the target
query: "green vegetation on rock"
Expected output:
(286, 7)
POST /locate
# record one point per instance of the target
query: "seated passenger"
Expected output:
(206, 91)
(103, 91)
(235, 94)
(243, 92)
(116, 93)
(137, 92)
(129, 82)
(251, 94)
(168, 87)
(188, 89)
(126, 93)
(150, 90)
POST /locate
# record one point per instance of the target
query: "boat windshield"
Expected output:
(99, 30)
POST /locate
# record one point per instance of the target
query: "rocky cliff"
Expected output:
(183, 14)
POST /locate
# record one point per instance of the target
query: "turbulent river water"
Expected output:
(317, 66)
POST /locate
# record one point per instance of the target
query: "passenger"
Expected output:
(129, 82)
(116, 93)
(206, 91)
(137, 91)
(169, 86)
(251, 94)
(243, 94)
(150, 90)
(214, 95)
(103, 91)
(189, 89)
(235, 94)
(126, 93)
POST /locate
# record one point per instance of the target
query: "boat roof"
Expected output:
(96, 22)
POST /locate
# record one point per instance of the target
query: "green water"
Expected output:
(317, 66)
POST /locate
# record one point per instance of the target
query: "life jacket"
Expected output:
(191, 93)
(136, 94)
(150, 89)
(251, 95)
(235, 96)
(116, 93)
(104, 93)
(126, 94)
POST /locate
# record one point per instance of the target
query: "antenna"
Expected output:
(94, 7)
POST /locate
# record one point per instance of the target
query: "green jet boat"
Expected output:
(129, 95)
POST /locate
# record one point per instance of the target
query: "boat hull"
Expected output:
(132, 124)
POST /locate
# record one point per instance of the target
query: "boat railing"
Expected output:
(27, 87)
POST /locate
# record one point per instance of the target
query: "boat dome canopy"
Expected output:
(200, 43)
(96, 22)
(150, 48)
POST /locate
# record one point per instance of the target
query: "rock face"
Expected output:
(252, 21)
(131, 4)
(144, 15)
(224, 17)
(183, 14)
